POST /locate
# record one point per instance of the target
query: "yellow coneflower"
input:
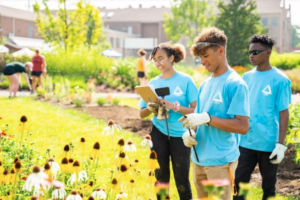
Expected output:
(64, 165)
(91, 198)
(151, 178)
(16, 159)
(47, 169)
(121, 144)
(76, 167)
(96, 151)
(115, 186)
(12, 175)
(34, 198)
(153, 163)
(125, 175)
(71, 162)
(122, 159)
(167, 197)
(23, 127)
(82, 142)
(7, 197)
(4, 177)
(66, 150)
(1, 168)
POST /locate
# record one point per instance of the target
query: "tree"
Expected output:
(239, 20)
(70, 29)
(295, 36)
(187, 20)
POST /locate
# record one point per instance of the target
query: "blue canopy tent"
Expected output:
(112, 53)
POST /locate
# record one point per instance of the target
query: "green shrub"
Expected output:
(285, 60)
(294, 76)
(101, 101)
(116, 101)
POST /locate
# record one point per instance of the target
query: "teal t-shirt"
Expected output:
(225, 97)
(182, 89)
(270, 93)
(17, 67)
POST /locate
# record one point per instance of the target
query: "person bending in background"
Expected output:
(11, 71)
(270, 92)
(141, 70)
(181, 101)
(39, 67)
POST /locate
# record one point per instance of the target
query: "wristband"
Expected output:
(176, 106)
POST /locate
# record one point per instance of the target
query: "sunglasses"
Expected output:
(206, 44)
(256, 52)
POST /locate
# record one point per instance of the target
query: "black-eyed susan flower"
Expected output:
(99, 194)
(122, 159)
(12, 175)
(147, 141)
(125, 174)
(130, 147)
(65, 165)
(74, 196)
(59, 193)
(76, 167)
(96, 151)
(36, 180)
(153, 163)
(114, 185)
(121, 144)
(82, 142)
(151, 178)
(111, 128)
(4, 177)
(66, 150)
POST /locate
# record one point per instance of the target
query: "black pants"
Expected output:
(180, 158)
(247, 162)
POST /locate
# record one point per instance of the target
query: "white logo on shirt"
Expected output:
(267, 90)
(177, 91)
(218, 98)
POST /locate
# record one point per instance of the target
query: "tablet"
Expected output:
(147, 93)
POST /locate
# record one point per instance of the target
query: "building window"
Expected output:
(117, 42)
(112, 42)
(30, 30)
(129, 30)
(124, 28)
(274, 21)
(115, 27)
(264, 21)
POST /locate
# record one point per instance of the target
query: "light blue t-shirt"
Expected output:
(270, 93)
(225, 97)
(183, 90)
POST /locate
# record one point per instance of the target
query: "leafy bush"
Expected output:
(115, 101)
(294, 76)
(101, 101)
(285, 60)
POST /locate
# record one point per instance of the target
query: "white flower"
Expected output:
(109, 130)
(130, 147)
(74, 196)
(55, 168)
(59, 193)
(121, 196)
(82, 176)
(99, 194)
(35, 180)
(147, 141)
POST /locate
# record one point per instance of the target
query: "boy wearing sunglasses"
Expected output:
(270, 92)
(222, 110)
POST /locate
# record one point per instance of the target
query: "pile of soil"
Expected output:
(288, 176)
(128, 118)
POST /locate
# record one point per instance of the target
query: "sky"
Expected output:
(23, 4)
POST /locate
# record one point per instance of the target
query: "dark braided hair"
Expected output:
(263, 39)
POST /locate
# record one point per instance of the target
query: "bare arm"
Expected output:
(27, 80)
(183, 110)
(145, 68)
(144, 112)
(239, 124)
(283, 124)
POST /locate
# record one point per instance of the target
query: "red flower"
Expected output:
(3, 133)
(1, 118)
(24, 178)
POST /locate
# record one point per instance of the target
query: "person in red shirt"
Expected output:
(39, 67)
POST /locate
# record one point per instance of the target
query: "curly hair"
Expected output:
(142, 52)
(211, 35)
(263, 39)
(177, 50)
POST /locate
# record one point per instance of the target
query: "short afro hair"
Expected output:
(211, 35)
(142, 52)
(263, 39)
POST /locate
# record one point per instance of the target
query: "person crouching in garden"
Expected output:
(181, 101)
(222, 111)
(11, 71)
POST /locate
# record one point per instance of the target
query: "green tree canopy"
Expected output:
(187, 20)
(239, 20)
(71, 29)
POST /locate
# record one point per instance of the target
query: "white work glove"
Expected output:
(153, 107)
(189, 140)
(195, 119)
(279, 152)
